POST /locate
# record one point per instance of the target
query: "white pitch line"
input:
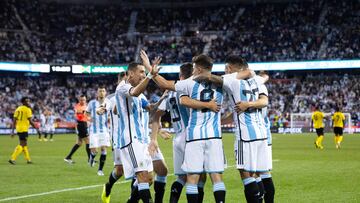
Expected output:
(67, 190)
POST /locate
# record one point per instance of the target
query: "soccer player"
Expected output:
(132, 141)
(22, 121)
(49, 125)
(203, 136)
(263, 179)
(317, 122)
(114, 127)
(338, 124)
(179, 118)
(97, 110)
(81, 118)
(251, 139)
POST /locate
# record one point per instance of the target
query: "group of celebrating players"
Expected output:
(194, 103)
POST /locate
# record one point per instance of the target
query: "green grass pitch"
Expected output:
(301, 172)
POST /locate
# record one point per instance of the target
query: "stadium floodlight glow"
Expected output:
(25, 67)
(282, 66)
(98, 69)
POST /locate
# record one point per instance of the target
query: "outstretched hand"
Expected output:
(164, 134)
(145, 60)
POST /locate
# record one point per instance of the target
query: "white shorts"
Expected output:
(117, 157)
(251, 156)
(179, 152)
(135, 157)
(99, 140)
(204, 156)
(158, 156)
(49, 129)
(269, 157)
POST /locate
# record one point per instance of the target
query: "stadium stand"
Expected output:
(94, 34)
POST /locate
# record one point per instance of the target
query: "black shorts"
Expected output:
(82, 129)
(338, 130)
(320, 131)
(23, 136)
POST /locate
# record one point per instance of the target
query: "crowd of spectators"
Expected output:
(101, 34)
(287, 94)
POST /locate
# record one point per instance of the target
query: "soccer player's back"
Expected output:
(338, 124)
(317, 121)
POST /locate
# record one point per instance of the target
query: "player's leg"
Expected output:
(94, 144)
(18, 149)
(178, 159)
(23, 143)
(321, 138)
(269, 187)
(244, 162)
(161, 171)
(340, 138)
(201, 185)
(218, 187)
(115, 175)
(144, 179)
(87, 147)
(78, 143)
(214, 165)
(192, 192)
(102, 160)
(193, 166)
(266, 178)
(176, 188)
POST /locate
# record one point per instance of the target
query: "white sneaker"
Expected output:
(69, 161)
(100, 173)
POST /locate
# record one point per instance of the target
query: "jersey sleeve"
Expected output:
(89, 107)
(163, 106)
(16, 114)
(228, 79)
(182, 87)
(263, 90)
(29, 113)
(125, 89)
(144, 102)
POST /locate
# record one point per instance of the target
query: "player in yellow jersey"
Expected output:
(338, 123)
(317, 122)
(22, 121)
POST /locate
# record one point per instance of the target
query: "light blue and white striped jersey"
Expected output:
(203, 124)
(179, 114)
(113, 119)
(266, 117)
(129, 111)
(50, 120)
(145, 117)
(250, 123)
(42, 120)
(99, 123)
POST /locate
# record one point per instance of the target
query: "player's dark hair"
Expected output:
(337, 108)
(186, 70)
(101, 86)
(83, 95)
(203, 61)
(237, 60)
(133, 66)
(23, 100)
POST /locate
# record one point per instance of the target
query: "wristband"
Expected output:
(149, 75)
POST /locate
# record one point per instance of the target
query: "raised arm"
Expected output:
(258, 104)
(195, 104)
(140, 88)
(210, 78)
(163, 83)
